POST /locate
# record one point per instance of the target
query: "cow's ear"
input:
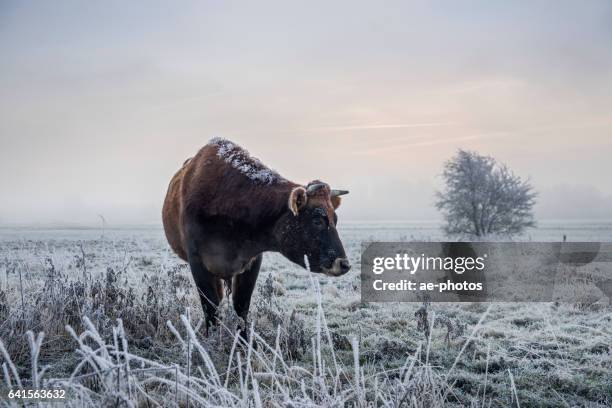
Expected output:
(336, 201)
(297, 199)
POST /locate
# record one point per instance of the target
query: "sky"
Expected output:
(100, 103)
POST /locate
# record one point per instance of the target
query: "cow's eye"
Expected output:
(318, 222)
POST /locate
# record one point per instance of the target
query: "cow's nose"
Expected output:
(344, 265)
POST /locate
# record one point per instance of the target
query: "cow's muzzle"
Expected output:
(339, 267)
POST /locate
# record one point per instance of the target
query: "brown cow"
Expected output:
(225, 208)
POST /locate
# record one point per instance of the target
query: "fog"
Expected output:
(101, 103)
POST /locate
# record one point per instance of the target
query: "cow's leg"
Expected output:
(242, 290)
(209, 289)
(208, 285)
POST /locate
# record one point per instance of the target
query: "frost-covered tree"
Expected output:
(482, 196)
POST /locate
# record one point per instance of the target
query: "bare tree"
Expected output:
(484, 197)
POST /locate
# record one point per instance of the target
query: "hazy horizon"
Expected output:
(101, 103)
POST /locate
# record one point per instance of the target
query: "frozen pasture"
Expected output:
(122, 326)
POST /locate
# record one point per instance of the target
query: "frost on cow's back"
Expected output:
(241, 160)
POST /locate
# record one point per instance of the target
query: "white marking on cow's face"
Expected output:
(306, 263)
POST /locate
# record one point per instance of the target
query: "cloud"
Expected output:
(343, 128)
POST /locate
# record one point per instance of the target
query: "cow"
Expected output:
(224, 209)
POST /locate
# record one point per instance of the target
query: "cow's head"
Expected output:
(307, 232)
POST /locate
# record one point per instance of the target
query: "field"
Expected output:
(123, 326)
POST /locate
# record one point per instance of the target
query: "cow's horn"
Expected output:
(314, 187)
(336, 193)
